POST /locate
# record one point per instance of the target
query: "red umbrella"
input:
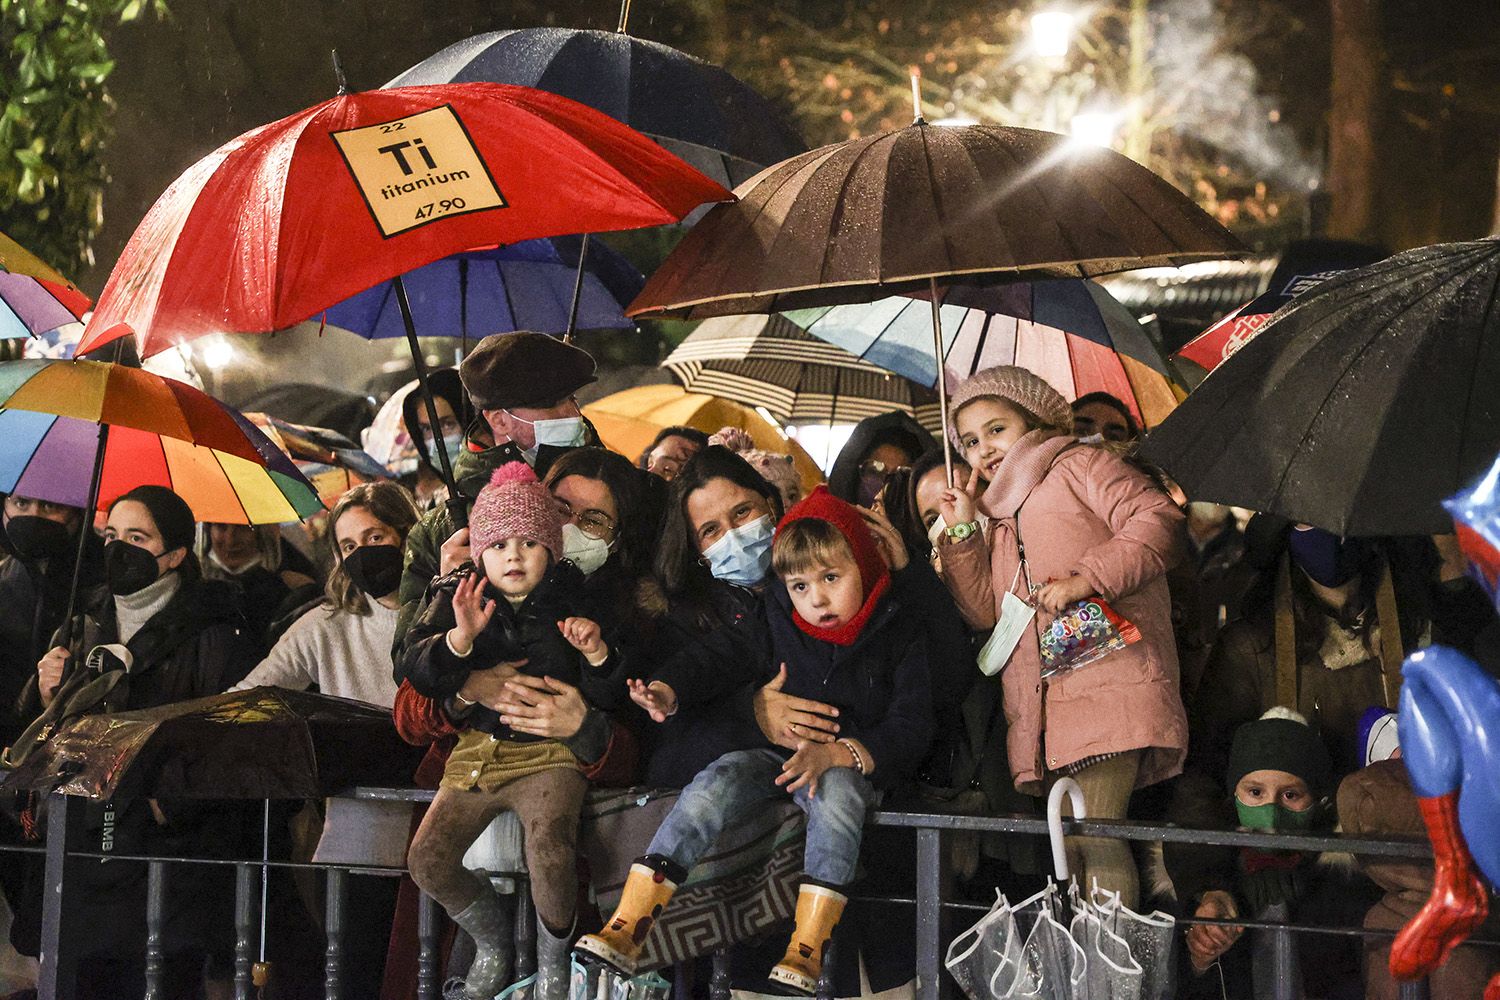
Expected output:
(290, 218)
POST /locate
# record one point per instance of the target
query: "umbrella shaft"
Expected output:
(942, 383)
(85, 530)
(435, 425)
(583, 252)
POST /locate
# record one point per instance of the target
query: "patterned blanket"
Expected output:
(746, 884)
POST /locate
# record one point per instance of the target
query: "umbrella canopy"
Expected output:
(770, 361)
(1359, 407)
(628, 420)
(1070, 332)
(693, 108)
(292, 217)
(1303, 265)
(16, 259)
(524, 286)
(30, 307)
(161, 432)
(262, 743)
(888, 213)
(331, 462)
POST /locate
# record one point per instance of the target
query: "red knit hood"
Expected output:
(874, 574)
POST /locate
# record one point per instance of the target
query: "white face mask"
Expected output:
(743, 556)
(935, 533)
(560, 432)
(1091, 439)
(584, 550)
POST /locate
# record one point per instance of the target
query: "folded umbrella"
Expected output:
(772, 362)
(264, 743)
(1359, 407)
(1070, 332)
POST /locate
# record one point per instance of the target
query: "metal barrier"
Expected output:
(58, 966)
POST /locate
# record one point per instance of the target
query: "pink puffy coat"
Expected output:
(1081, 510)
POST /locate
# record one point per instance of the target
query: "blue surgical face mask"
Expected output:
(560, 432)
(453, 444)
(743, 556)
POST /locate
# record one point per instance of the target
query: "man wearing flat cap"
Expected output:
(522, 387)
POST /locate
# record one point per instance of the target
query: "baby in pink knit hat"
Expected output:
(517, 610)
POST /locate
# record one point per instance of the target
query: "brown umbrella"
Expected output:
(907, 210)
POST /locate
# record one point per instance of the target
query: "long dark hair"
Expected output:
(678, 568)
(637, 522)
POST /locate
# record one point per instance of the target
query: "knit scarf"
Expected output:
(1026, 465)
(874, 574)
(134, 610)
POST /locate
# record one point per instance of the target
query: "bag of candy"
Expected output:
(1082, 633)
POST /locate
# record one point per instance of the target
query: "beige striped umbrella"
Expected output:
(772, 362)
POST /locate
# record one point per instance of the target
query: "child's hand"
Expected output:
(957, 504)
(658, 699)
(583, 634)
(1058, 594)
(807, 765)
(471, 612)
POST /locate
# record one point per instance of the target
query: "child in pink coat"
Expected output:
(1088, 525)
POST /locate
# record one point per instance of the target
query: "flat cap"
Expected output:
(523, 369)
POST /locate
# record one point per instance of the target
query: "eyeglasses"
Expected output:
(594, 523)
(875, 467)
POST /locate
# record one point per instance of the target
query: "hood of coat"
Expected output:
(843, 480)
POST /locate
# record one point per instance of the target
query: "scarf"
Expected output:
(874, 574)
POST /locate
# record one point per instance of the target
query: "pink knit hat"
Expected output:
(1014, 385)
(515, 505)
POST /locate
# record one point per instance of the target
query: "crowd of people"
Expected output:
(909, 634)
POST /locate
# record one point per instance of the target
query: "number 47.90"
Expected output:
(431, 209)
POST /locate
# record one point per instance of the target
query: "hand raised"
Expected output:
(471, 612)
(583, 635)
(658, 699)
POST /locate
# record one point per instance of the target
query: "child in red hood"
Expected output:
(841, 638)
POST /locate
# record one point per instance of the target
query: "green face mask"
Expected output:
(1275, 816)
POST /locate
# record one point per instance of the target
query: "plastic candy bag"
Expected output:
(1082, 633)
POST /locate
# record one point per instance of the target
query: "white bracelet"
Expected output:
(448, 641)
(859, 761)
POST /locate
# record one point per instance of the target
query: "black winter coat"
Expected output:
(881, 684)
(526, 632)
(196, 646)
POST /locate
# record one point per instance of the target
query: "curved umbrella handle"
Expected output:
(1054, 822)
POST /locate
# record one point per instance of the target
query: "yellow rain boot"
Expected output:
(648, 889)
(818, 912)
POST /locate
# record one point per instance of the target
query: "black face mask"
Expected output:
(128, 568)
(375, 569)
(35, 537)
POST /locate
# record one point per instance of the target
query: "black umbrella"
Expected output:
(1360, 406)
(697, 111)
(264, 743)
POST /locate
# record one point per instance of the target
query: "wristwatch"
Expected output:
(959, 532)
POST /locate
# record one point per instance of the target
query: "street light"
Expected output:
(1094, 128)
(1052, 33)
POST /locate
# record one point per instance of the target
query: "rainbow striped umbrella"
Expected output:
(154, 430)
(34, 299)
(1069, 331)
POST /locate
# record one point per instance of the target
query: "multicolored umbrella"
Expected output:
(1070, 332)
(290, 218)
(156, 431)
(770, 361)
(34, 299)
(331, 462)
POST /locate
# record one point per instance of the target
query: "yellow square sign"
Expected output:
(418, 169)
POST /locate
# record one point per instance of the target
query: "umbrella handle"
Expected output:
(85, 530)
(436, 425)
(583, 252)
(1054, 822)
(942, 383)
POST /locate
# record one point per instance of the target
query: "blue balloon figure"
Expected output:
(1450, 741)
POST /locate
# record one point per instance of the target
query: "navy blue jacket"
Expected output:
(880, 684)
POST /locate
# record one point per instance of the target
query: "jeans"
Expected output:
(733, 786)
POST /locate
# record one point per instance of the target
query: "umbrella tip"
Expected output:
(916, 96)
(338, 73)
